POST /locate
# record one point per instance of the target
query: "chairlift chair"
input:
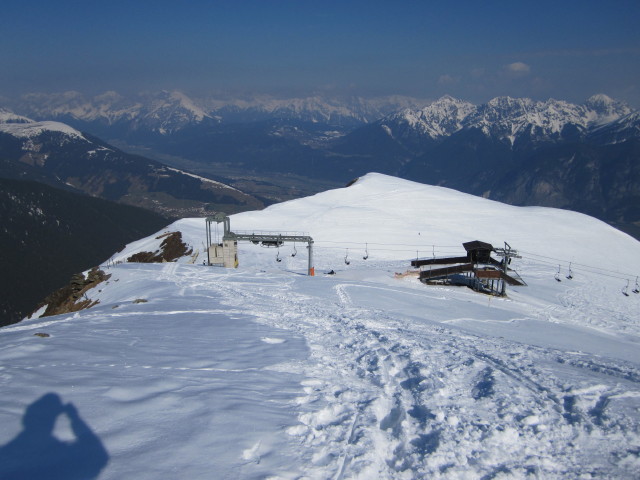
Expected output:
(346, 258)
(557, 275)
(278, 259)
(570, 274)
(625, 289)
(366, 251)
(295, 252)
(637, 288)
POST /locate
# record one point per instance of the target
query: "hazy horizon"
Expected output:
(232, 96)
(470, 50)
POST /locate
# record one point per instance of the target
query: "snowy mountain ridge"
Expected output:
(264, 372)
(110, 106)
(167, 112)
(505, 117)
(24, 127)
(7, 116)
(65, 156)
(439, 119)
(618, 130)
(402, 117)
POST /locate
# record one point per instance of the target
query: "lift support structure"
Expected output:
(269, 239)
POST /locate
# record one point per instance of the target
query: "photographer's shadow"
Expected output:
(36, 453)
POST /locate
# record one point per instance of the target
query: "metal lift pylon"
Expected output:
(231, 239)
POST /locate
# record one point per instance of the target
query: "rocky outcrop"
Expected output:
(171, 248)
(72, 297)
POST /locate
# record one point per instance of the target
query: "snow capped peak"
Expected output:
(507, 102)
(449, 105)
(167, 112)
(600, 99)
(7, 116)
(187, 104)
(109, 96)
(447, 98)
(23, 127)
(108, 107)
(348, 111)
(603, 109)
(507, 117)
(401, 117)
(504, 117)
(438, 119)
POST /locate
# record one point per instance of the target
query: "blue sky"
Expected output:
(473, 50)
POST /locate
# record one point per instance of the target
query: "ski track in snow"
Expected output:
(395, 398)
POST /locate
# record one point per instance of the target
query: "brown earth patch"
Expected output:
(171, 248)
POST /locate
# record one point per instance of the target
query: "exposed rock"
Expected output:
(67, 298)
(171, 248)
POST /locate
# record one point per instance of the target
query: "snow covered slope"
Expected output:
(187, 371)
(23, 127)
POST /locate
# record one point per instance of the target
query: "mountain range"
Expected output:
(67, 158)
(167, 112)
(505, 118)
(582, 157)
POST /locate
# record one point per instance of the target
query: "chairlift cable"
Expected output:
(573, 266)
(574, 263)
(620, 276)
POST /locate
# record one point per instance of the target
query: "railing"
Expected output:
(268, 233)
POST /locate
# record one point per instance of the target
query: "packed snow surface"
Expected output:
(189, 371)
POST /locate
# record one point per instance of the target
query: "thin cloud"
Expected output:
(518, 68)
